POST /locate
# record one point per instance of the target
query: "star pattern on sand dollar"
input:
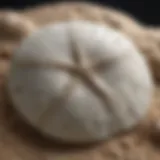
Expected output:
(82, 69)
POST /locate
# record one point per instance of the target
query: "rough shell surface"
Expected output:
(80, 82)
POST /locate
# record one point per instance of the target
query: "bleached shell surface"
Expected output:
(80, 107)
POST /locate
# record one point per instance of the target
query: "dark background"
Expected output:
(146, 11)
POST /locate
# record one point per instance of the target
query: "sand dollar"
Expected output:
(80, 82)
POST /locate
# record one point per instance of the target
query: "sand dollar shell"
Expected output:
(80, 82)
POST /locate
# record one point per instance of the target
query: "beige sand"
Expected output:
(18, 141)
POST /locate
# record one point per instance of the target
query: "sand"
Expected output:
(19, 141)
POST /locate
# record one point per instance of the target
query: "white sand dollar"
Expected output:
(80, 82)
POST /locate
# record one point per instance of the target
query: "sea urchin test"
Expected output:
(80, 82)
